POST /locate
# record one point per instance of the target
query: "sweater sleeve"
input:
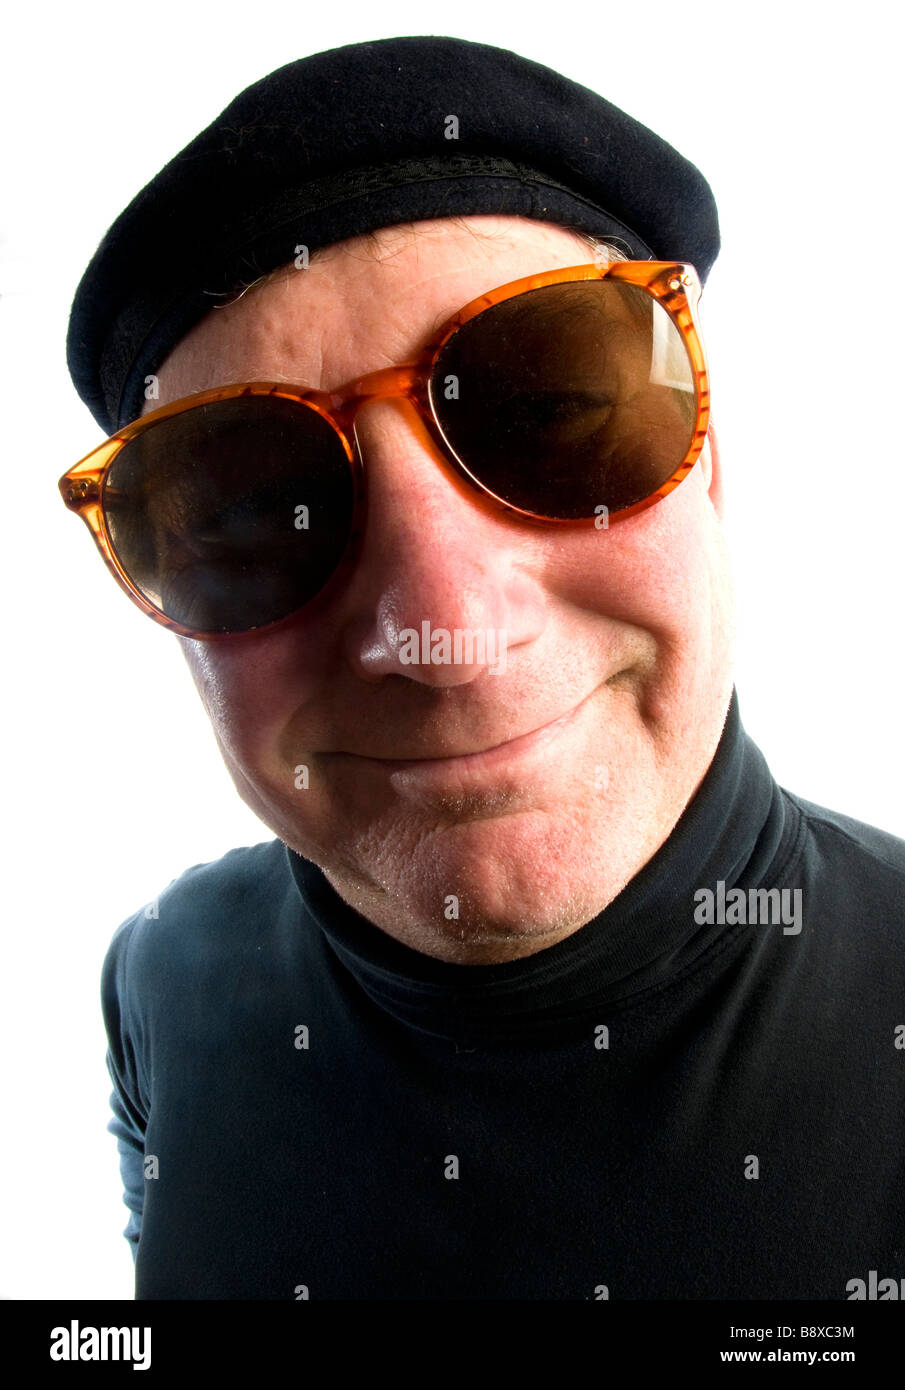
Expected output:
(130, 1112)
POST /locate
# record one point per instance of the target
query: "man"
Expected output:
(545, 989)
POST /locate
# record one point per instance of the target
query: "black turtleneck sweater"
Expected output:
(658, 1107)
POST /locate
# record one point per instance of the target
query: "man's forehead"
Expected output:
(361, 304)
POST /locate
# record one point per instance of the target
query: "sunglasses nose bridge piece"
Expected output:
(407, 382)
(385, 384)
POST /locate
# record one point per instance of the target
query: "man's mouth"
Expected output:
(484, 756)
(512, 763)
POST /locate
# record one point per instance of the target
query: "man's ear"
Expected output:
(713, 470)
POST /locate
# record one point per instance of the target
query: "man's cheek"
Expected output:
(247, 701)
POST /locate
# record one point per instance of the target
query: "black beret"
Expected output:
(354, 139)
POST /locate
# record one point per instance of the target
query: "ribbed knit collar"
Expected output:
(736, 829)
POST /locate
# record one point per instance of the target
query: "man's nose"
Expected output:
(436, 563)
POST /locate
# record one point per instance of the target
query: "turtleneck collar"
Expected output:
(733, 830)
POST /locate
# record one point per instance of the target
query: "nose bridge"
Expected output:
(405, 383)
(427, 563)
(416, 432)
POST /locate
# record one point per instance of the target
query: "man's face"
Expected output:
(477, 812)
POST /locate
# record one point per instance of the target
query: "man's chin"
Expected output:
(488, 887)
(491, 891)
(469, 927)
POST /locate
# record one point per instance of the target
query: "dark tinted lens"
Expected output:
(233, 514)
(568, 397)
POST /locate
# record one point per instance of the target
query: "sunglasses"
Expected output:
(576, 397)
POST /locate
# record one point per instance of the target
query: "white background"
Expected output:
(112, 781)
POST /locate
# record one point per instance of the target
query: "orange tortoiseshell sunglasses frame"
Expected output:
(674, 284)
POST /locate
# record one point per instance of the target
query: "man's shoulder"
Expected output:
(854, 843)
(209, 905)
(853, 875)
(248, 875)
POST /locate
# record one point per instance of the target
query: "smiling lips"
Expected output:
(485, 760)
(484, 756)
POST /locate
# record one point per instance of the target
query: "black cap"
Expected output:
(354, 139)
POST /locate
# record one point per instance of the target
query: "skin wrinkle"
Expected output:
(635, 620)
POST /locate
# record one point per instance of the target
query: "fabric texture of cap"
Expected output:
(351, 140)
